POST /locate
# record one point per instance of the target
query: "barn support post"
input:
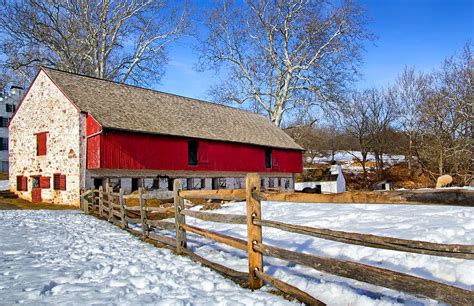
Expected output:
(179, 218)
(254, 232)
(124, 223)
(143, 214)
(101, 200)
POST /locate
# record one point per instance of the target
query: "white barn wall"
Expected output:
(46, 109)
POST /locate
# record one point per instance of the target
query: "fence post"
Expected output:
(123, 214)
(101, 200)
(254, 232)
(143, 214)
(111, 204)
(86, 206)
(179, 218)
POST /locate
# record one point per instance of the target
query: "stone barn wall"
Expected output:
(46, 109)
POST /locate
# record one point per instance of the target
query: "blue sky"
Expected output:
(419, 33)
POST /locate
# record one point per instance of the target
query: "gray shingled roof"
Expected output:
(125, 107)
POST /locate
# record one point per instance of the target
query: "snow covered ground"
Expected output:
(65, 257)
(4, 185)
(442, 224)
(348, 156)
(349, 162)
(68, 258)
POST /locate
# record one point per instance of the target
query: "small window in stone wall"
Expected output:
(59, 181)
(35, 182)
(41, 140)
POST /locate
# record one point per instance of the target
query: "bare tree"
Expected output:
(123, 40)
(447, 120)
(413, 89)
(355, 118)
(283, 56)
(383, 111)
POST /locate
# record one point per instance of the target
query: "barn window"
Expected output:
(98, 182)
(189, 184)
(271, 182)
(41, 140)
(192, 153)
(59, 181)
(268, 158)
(21, 183)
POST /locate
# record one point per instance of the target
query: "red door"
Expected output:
(36, 195)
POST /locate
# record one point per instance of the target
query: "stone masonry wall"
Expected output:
(46, 109)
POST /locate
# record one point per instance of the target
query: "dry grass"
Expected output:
(3, 176)
(23, 204)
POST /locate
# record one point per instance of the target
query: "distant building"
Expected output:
(8, 105)
(331, 181)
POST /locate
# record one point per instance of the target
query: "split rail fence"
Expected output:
(111, 206)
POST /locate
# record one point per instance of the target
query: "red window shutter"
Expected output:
(19, 183)
(41, 140)
(62, 182)
(45, 182)
(24, 183)
(57, 181)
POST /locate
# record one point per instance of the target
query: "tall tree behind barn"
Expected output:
(123, 41)
(283, 56)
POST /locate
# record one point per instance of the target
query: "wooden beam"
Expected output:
(214, 217)
(162, 239)
(179, 218)
(224, 270)
(289, 289)
(143, 213)
(231, 241)
(162, 224)
(123, 220)
(222, 194)
(374, 275)
(254, 232)
(389, 198)
(388, 243)
(101, 200)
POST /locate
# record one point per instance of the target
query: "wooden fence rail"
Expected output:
(388, 243)
(112, 206)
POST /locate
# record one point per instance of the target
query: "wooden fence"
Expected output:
(111, 206)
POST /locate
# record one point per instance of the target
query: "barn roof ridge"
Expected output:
(128, 107)
(153, 90)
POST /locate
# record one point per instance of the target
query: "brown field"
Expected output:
(8, 204)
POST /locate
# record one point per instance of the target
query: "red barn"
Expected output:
(81, 132)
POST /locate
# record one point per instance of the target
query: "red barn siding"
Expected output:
(125, 150)
(92, 126)
(93, 152)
